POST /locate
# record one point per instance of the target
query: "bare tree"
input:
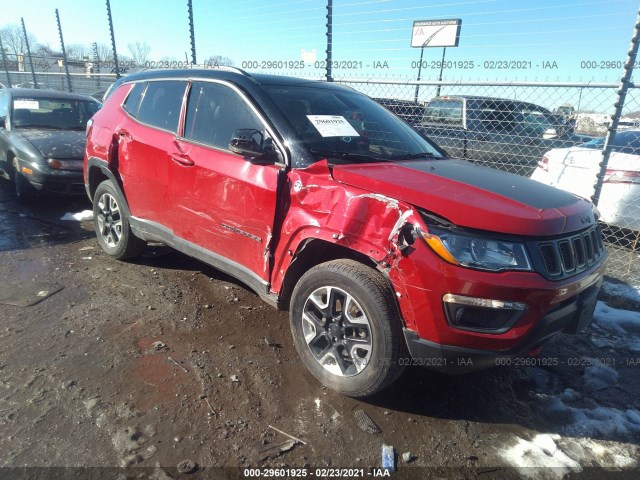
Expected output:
(13, 39)
(139, 52)
(105, 54)
(218, 60)
(77, 51)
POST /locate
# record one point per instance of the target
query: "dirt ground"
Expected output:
(151, 363)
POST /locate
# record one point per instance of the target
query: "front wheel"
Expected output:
(346, 328)
(25, 192)
(112, 224)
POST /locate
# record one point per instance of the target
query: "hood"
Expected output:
(472, 196)
(56, 143)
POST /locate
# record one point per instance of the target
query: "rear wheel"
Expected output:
(346, 327)
(112, 224)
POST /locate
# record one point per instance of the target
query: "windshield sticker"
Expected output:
(332, 126)
(30, 104)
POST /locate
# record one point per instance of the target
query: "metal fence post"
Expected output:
(4, 62)
(329, 40)
(113, 40)
(615, 118)
(192, 33)
(64, 52)
(26, 41)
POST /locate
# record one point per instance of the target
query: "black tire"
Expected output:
(25, 192)
(112, 224)
(336, 350)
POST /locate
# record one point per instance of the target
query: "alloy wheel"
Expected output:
(337, 331)
(109, 220)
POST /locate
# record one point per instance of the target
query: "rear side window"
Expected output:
(161, 103)
(497, 116)
(4, 105)
(132, 103)
(444, 111)
(215, 112)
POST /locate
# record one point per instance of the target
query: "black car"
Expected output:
(410, 112)
(42, 138)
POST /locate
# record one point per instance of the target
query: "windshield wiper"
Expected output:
(347, 155)
(413, 156)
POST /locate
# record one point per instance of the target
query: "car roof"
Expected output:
(235, 75)
(479, 98)
(37, 93)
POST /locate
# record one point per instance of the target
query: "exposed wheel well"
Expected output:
(96, 177)
(10, 157)
(310, 253)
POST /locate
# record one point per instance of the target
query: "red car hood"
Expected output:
(473, 196)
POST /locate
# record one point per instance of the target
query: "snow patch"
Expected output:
(622, 290)
(540, 458)
(552, 457)
(599, 376)
(596, 421)
(615, 328)
(78, 217)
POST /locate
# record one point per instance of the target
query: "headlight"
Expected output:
(477, 252)
(64, 164)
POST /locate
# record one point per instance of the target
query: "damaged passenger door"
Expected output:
(224, 204)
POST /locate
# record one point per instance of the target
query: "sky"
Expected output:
(546, 40)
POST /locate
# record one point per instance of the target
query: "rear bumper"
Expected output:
(571, 316)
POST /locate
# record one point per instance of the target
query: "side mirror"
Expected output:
(550, 133)
(251, 143)
(3, 122)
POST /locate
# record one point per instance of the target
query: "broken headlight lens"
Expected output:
(477, 252)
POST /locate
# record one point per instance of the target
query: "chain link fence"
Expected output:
(552, 132)
(87, 84)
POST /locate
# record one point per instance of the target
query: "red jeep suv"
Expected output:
(386, 252)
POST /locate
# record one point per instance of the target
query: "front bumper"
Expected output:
(44, 178)
(570, 316)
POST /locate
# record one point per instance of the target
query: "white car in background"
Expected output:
(574, 169)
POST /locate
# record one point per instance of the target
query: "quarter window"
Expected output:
(161, 103)
(215, 112)
(132, 103)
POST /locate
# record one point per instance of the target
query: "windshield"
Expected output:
(58, 113)
(347, 126)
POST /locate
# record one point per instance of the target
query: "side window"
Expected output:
(4, 106)
(215, 112)
(535, 121)
(132, 103)
(444, 111)
(160, 106)
(497, 117)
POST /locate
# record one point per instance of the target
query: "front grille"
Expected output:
(569, 255)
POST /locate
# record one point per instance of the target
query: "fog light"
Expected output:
(481, 314)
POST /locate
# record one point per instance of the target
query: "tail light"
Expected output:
(544, 164)
(622, 176)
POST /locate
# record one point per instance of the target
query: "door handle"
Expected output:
(182, 159)
(481, 138)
